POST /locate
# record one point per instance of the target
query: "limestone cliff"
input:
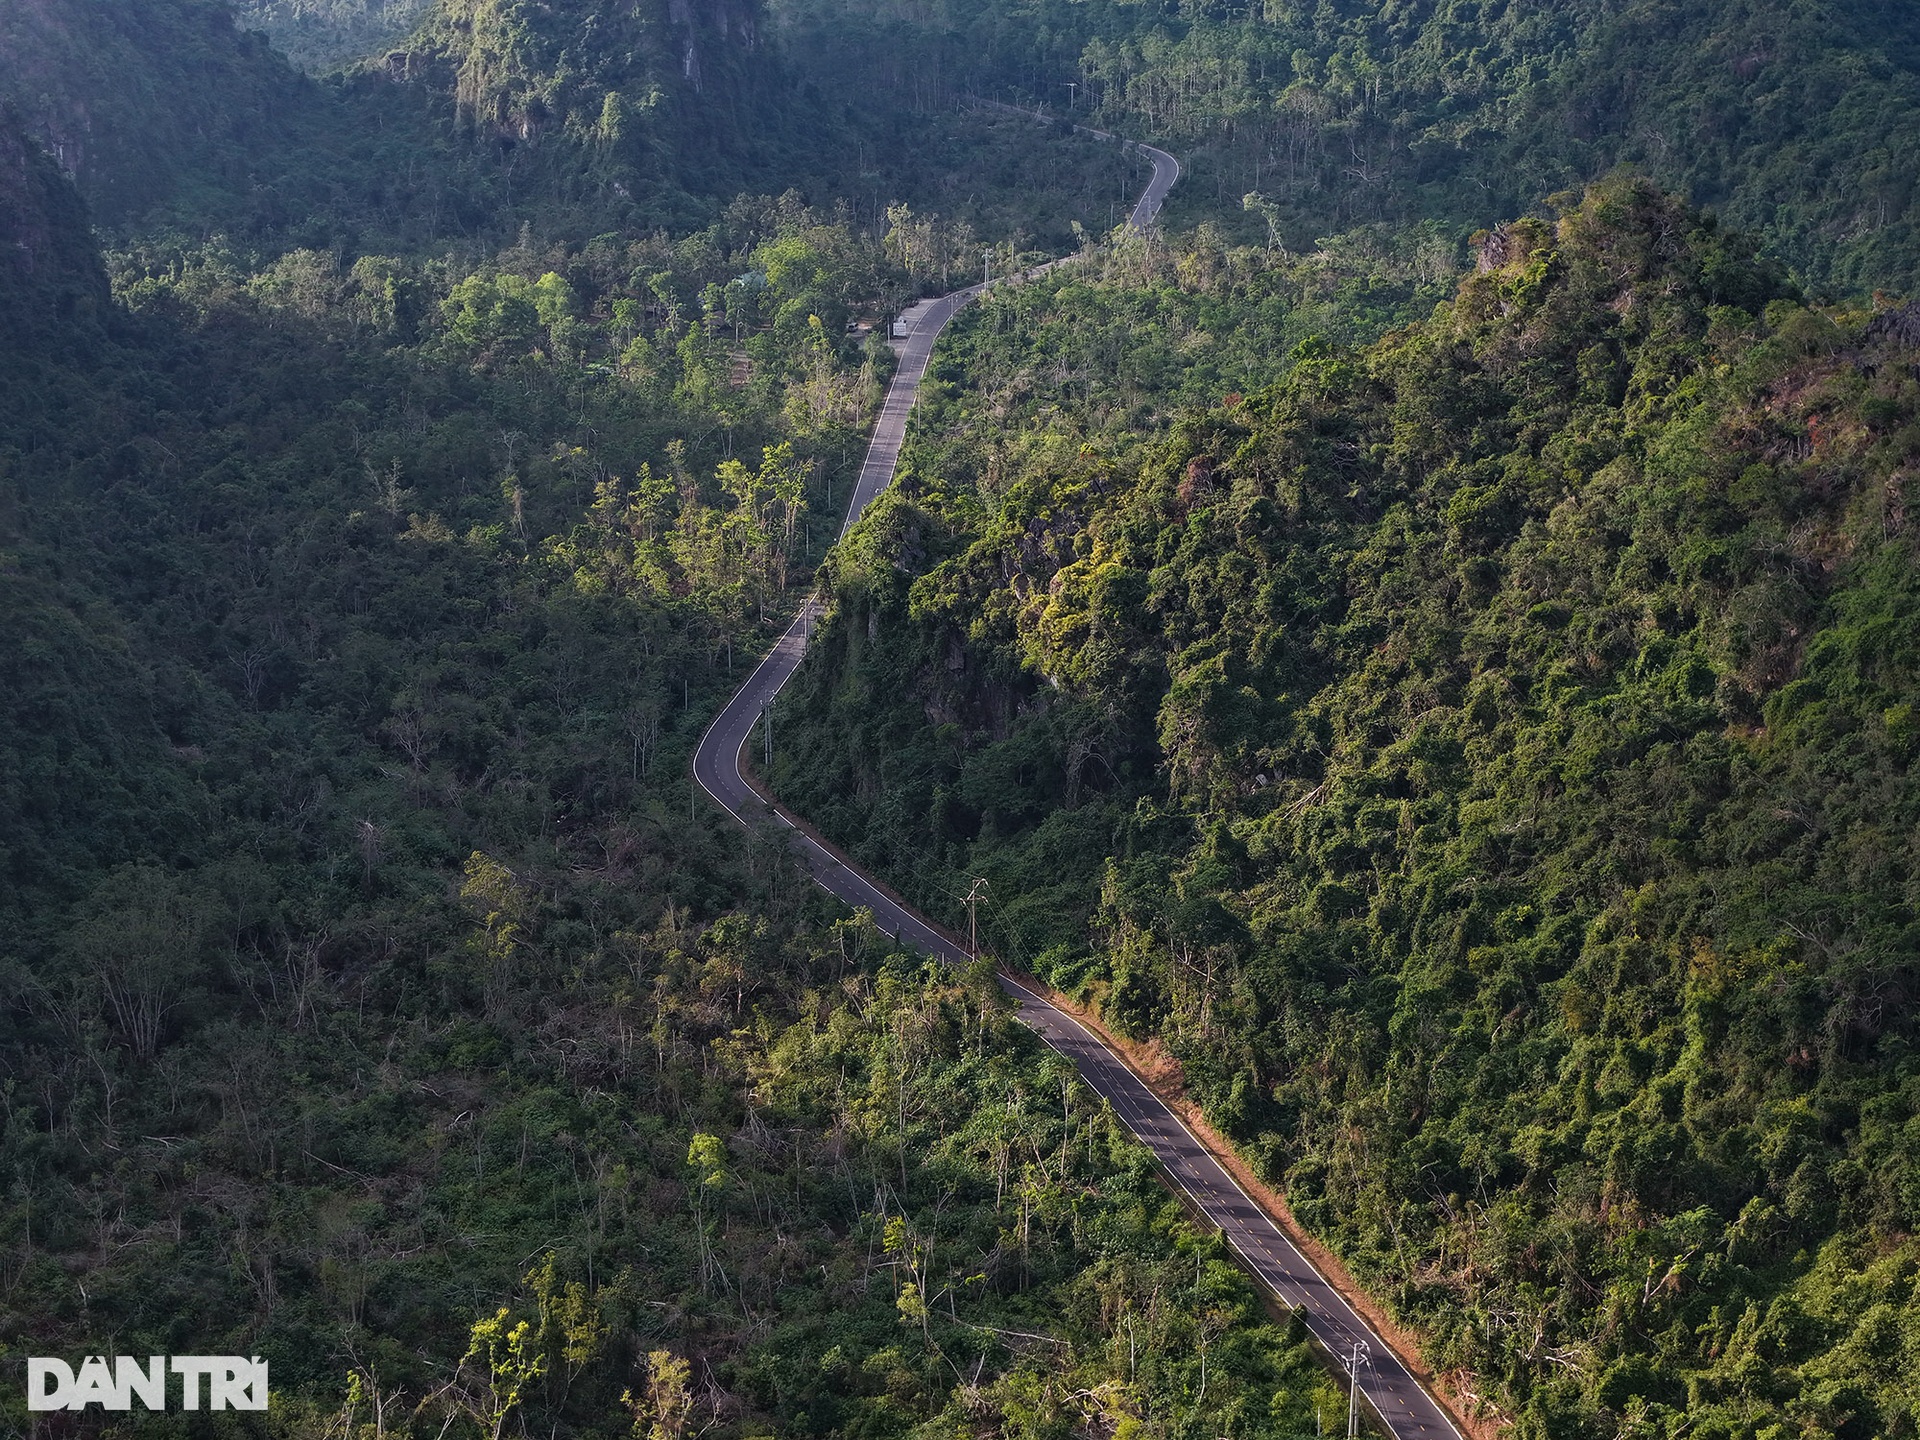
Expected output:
(51, 278)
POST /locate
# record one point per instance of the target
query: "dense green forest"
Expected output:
(1793, 119)
(470, 117)
(322, 35)
(170, 112)
(375, 999)
(465, 118)
(1480, 755)
(1455, 694)
(497, 116)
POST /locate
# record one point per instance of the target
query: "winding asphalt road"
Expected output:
(1401, 1404)
(1166, 174)
(1166, 169)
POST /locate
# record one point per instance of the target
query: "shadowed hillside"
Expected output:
(320, 35)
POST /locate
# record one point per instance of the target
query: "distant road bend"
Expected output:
(1400, 1403)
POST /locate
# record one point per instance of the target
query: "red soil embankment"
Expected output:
(1162, 1074)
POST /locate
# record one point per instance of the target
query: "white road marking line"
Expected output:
(1192, 1166)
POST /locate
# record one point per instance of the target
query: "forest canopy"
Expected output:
(1477, 755)
(1423, 640)
(376, 1000)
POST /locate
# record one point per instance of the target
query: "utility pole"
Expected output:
(973, 918)
(768, 714)
(1360, 1357)
(986, 259)
(1073, 93)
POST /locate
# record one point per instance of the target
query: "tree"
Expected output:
(570, 1321)
(557, 306)
(707, 1179)
(666, 1409)
(1259, 204)
(511, 1359)
(490, 313)
(501, 904)
(134, 949)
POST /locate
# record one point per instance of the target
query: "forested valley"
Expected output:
(377, 1000)
(1792, 119)
(1422, 642)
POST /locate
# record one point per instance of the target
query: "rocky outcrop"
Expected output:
(51, 277)
(519, 70)
(138, 102)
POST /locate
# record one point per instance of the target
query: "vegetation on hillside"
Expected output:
(322, 35)
(498, 116)
(1482, 756)
(1792, 119)
(374, 1000)
(465, 117)
(55, 291)
(1466, 717)
(143, 102)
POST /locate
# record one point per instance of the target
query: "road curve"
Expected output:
(1166, 174)
(1166, 169)
(1400, 1403)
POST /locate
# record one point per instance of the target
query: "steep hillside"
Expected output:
(167, 113)
(498, 115)
(54, 286)
(1483, 757)
(359, 620)
(152, 105)
(645, 113)
(1793, 119)
(320, 35)
(637, 104)
(58, 758)
(169, 116)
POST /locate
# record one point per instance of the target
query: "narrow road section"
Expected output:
(1399, 1401)
(1166, 174)
(1166, 169)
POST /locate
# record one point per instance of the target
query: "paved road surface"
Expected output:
(1408, 1411)
(1166, 174)
(1166, 169)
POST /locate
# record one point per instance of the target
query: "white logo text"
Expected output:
(233, 1382)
